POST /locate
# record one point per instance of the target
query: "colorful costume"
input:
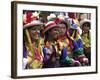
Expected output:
(25, 54)
(51, 58)
(33, 48)
(35, 60)
(86, 38)
(78, 50)
(66, 58)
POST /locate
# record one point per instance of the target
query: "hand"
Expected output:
(72, 38)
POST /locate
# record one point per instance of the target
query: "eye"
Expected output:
(55, 29)
(33, 29)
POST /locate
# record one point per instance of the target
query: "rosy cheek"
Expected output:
(38, 31)
(33, 32)
(63, 29)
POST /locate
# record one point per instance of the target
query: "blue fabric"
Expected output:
(77, 44)
(46, 54)
(24, 52)
(63, 54)
(44, 51)
(74, 26)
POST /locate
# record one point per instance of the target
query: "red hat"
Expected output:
(32, 19)
(49, 25)
(51, 17)
(33, 23)
(27, 17)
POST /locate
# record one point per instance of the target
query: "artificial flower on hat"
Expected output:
(31, 19)
(61, 17)
(27, 17)
(51, 17)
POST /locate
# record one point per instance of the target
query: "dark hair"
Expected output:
(46, 34)
(89, 25)
(88, 34)
(46, 37)
(66, 24)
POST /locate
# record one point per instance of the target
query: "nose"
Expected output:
(60, 30)
(57, 32)
(36, 32)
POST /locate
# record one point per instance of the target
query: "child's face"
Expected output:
(86, 28)
(62, 29)
(54, 32)
(34, 32)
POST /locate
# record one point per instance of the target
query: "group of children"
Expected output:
(58, 42)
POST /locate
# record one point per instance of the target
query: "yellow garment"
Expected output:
(41, 45)
(34, 63)
(77, 22)
(86, 40)
(62, 44)
(41, 42)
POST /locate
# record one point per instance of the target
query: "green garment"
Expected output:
(79, 51)
(68, 60)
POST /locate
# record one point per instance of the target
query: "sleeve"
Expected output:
(44, 51)
(63, 54)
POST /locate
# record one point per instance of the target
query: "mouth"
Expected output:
(56, 35)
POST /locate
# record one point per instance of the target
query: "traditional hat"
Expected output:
(66, 23)
(51, 17)
(27, 17)
(49, 25)
(34, 20)
(33, 23)
(85, 21)
(62, 19)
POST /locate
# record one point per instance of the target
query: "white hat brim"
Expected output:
(33, 23)
(84, 21)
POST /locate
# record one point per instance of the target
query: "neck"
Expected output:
(36, 43)
(51, 39)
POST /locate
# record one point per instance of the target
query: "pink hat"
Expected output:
(33, 23)
(32, 20)
(49, 25)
